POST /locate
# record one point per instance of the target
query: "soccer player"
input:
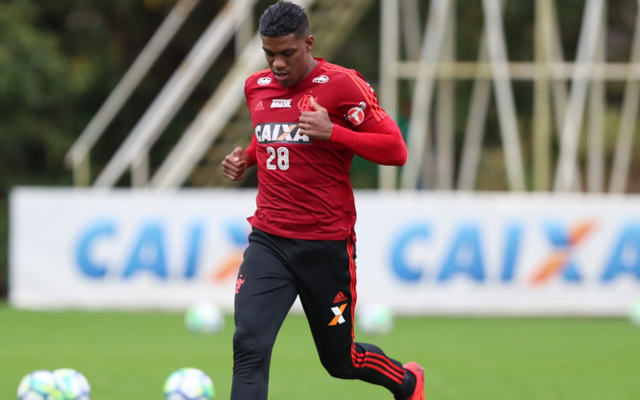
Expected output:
(309, 118)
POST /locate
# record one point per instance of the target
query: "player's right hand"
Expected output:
(235, 164)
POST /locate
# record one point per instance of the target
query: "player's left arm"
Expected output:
(382, 143)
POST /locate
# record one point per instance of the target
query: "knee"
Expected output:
(341, 373)
(342, 369)
(250, 347)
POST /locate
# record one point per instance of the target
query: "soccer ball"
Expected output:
(204, 317)
(72, 384)
(375, 319)
(634, 313)
(188, 384)
(39, 385)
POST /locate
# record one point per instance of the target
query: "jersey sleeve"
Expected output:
(363, 125)
(248, 97)
(382, 145)
(357, 104)
(251, 151)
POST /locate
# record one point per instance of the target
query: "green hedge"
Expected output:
(4, 242)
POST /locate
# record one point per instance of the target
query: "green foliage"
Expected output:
(4, 226)
(33, 77)
(59, 60)
(32, 71)
(33, 87)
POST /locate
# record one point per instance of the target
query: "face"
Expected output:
(289, 57)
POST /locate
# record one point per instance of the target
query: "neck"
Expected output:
(312, 64)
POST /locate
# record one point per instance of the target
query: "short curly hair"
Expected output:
(282, 19)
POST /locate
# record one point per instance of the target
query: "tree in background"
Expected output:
(34, 77)
(59, 60)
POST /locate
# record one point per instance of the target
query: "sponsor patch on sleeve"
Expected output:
(356, 114)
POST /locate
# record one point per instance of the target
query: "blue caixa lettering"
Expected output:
(148, 254)
(625, 256)
(464, 257)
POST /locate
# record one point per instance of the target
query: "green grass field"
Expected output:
(127, 356)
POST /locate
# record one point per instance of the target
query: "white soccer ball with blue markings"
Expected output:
(72, 384)
(39, 385)
(375, 319)
(204, 317)
(188, 384)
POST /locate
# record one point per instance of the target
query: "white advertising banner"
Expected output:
(418, 252)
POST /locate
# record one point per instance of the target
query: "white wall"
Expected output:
(421, 253)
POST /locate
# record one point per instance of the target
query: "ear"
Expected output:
(309, 43)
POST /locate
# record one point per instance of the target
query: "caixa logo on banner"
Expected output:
(147, 250)
(465, 253)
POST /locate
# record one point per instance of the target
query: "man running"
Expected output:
(309, 118)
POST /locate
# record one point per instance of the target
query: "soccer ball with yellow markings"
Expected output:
(39, 385)
(72, 384)
(188, 384)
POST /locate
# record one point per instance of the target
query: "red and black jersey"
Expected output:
(304, 188)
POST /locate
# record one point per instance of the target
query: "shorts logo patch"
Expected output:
(340, 297)
(356, 114)
(239, 283)
(338, 319)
